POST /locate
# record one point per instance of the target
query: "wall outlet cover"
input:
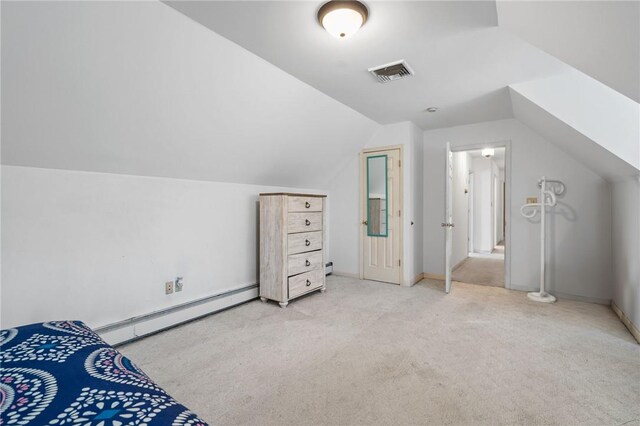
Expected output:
(168, 287)
(532, 200)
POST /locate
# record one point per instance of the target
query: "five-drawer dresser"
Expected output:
(291, 245)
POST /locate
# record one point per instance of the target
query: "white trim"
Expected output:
(346, 275)
(626, 321)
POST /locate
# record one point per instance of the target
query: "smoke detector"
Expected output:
(392, 71)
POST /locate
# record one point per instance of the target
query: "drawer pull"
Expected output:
(307, 243)
(307, 263)
(308, 283)
(306, 204)
(307, 222)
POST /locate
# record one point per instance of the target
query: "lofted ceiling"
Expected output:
(137, 88)
(599, 38)
(463, 61)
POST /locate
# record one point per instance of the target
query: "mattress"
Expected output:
(62, 373)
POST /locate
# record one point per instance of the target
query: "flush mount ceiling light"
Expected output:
(342, 19)
(431, 109)
(488, 152)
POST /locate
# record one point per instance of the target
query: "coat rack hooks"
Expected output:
(549, 190)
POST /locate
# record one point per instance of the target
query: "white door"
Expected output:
(448, 217)
(382, 220)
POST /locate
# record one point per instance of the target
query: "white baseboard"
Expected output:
(459, 263)
(626, 321)
(346, 274)
(135, 328)
(577, 298)
(430, 276)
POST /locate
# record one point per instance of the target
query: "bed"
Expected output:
(62, 373)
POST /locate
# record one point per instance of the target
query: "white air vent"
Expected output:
(393, 71)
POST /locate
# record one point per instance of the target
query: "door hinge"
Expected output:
(399, 213)
(399, 262)
(399, 163)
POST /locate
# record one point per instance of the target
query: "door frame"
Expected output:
(363, 207)
(506, 144)
(470, 212)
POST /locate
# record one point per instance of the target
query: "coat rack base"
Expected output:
(541, 297)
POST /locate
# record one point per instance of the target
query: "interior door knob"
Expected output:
(364, 222)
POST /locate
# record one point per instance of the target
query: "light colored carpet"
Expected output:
(479, 270)
(374, 353)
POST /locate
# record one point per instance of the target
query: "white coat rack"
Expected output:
(549, 190)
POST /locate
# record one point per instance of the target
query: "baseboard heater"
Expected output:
(144, 325)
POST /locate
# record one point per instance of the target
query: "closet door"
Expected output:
(382, 221)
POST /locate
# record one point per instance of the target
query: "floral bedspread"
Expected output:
(62, 373)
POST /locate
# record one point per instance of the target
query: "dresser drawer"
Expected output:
(305, 204)
(304, 262)
(306, 241)
(303, 283)
(304, 222)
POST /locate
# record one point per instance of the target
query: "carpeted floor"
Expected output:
(373, 353)
(479, 270)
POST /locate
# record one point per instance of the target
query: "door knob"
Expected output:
(364, 222)
(447, 225)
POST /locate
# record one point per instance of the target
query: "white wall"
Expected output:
(99, 247)
(414, 224)
(460, 194)
(482, 210)
(626, 248)
(580, 232)
(345, 203)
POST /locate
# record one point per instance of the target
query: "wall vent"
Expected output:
(392, 71)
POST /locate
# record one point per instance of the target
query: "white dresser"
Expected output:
(291, 245)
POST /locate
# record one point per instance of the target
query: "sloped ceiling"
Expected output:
(138, 88)
(594, 156)
(463, 62)
(599, 38)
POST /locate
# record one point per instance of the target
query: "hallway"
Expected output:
(482, 269)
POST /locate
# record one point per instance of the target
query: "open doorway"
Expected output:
(478, 208)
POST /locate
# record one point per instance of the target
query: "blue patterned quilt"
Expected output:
(62, 373)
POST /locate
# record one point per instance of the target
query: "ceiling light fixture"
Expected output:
(431, 109)
(342, 19)
(488, 152)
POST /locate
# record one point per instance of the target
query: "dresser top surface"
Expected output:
(293, 194)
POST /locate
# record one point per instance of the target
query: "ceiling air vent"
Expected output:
(390, 72)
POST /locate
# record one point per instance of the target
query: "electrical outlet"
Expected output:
(168, 287)
(532, 200)
(178, 284)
